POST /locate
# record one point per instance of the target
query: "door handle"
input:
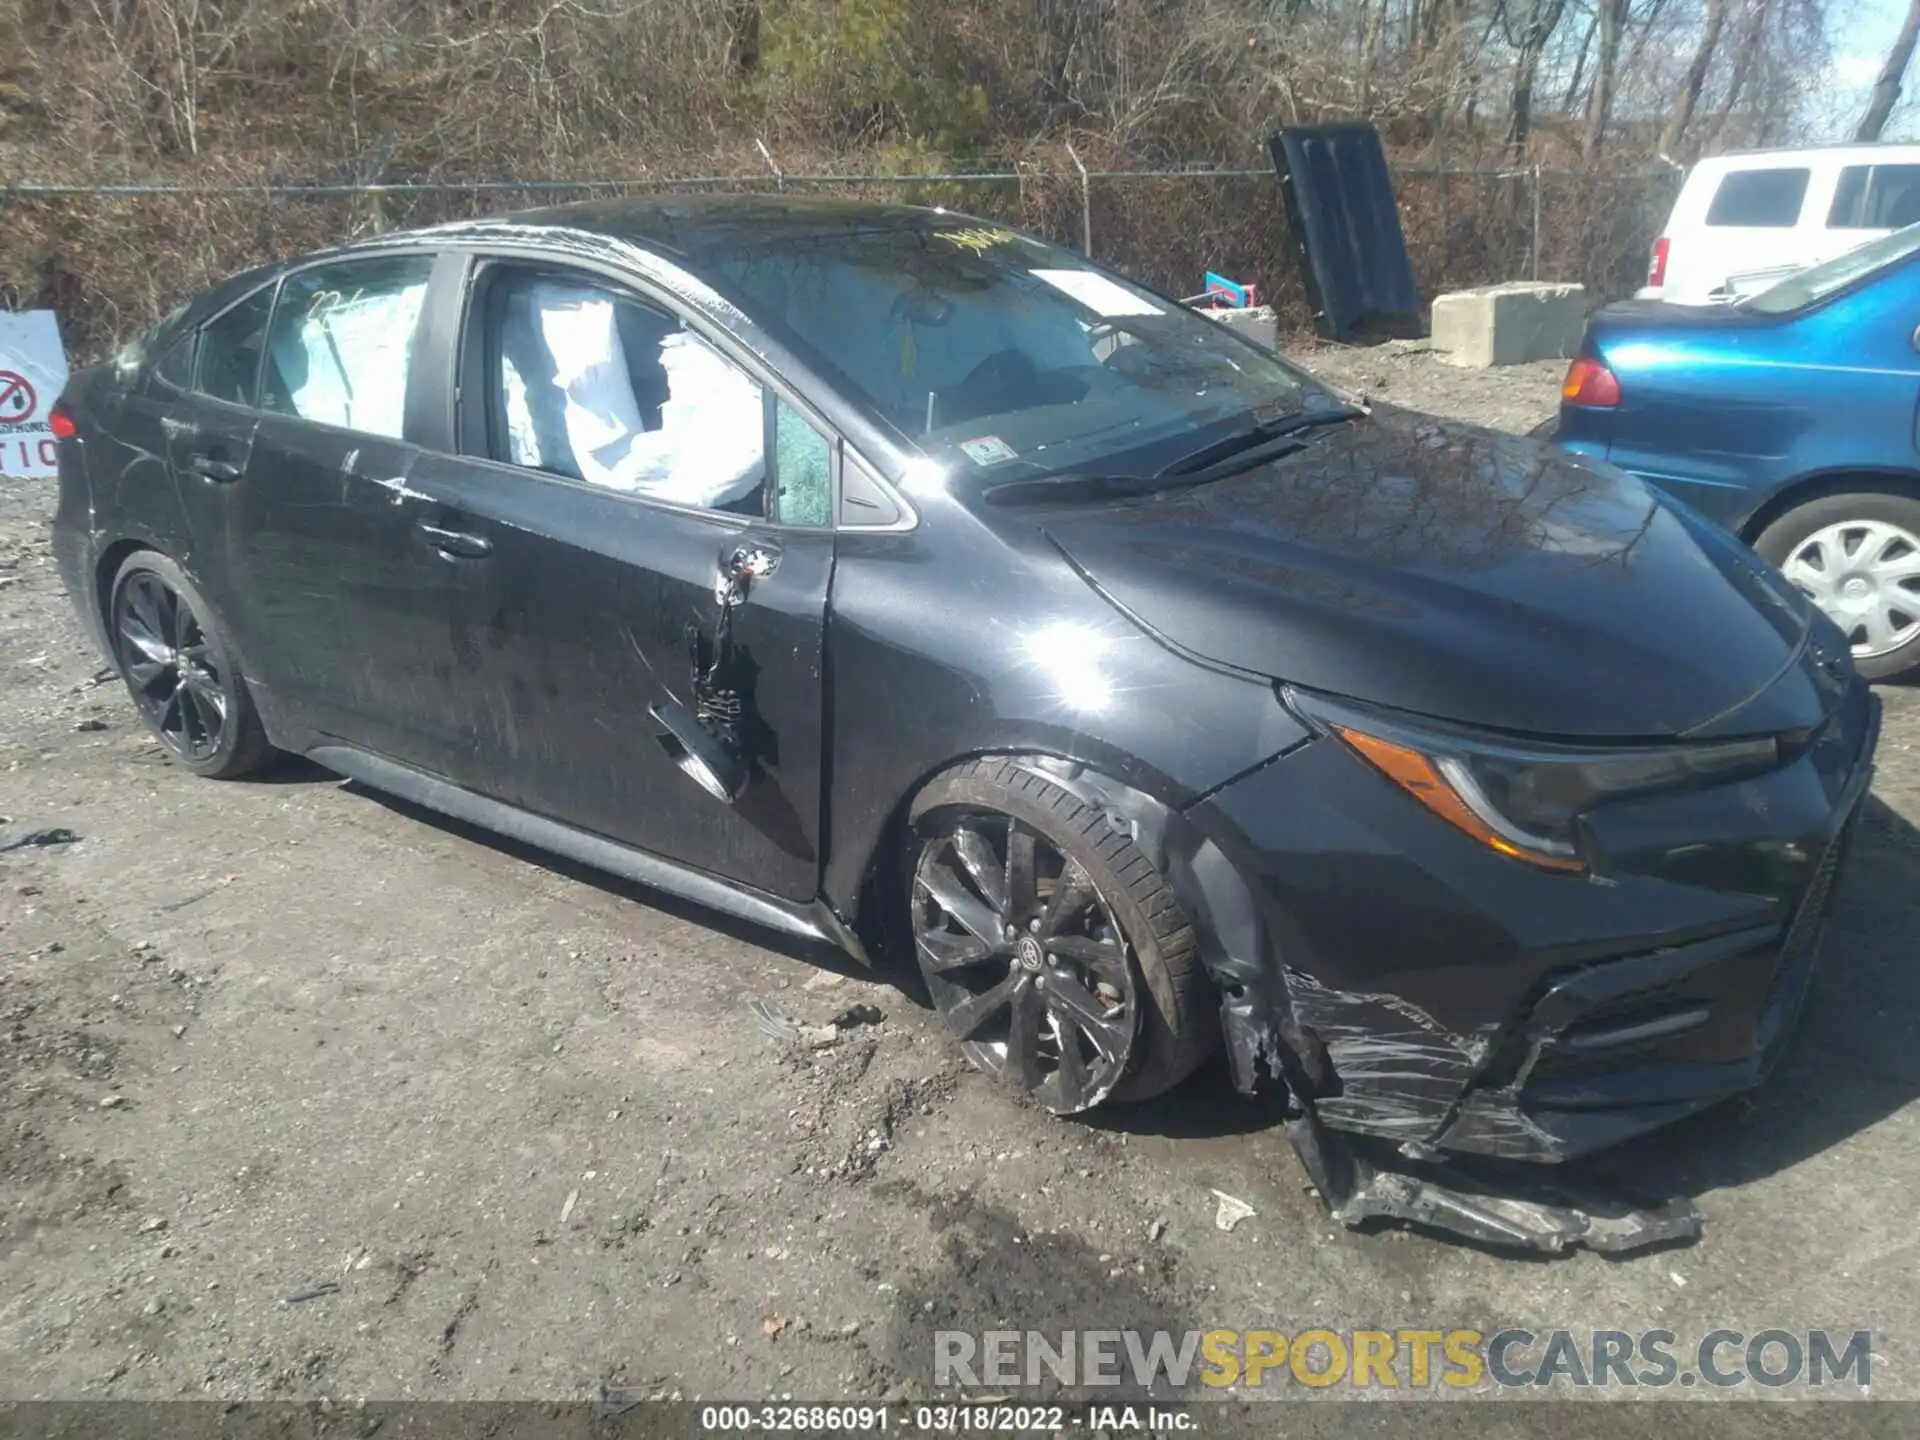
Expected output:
(744, 563)
(211, 467)
(457, 544)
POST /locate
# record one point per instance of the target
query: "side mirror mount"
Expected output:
(698, 753)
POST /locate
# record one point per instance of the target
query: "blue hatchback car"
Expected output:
(1791, 417)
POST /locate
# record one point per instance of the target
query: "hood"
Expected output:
(1458, 573)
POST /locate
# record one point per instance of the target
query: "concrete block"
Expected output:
(1509, 324)
(1255, 322)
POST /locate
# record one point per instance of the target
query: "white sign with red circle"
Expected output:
(33, 370)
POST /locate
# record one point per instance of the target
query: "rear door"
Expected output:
(341, 606)
(207, 433)
(331, 569)
(617, 458)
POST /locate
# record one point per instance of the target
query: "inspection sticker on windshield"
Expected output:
(1099, 294)
(988, 450)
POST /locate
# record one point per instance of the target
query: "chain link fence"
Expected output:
(110, 258)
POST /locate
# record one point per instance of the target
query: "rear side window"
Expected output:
(341, 343)
(1759, 199)
(1876, 197)
(230, 349)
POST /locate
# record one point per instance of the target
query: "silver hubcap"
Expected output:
(1866, 575)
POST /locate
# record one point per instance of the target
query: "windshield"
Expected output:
(1817, 282)
(998, 352)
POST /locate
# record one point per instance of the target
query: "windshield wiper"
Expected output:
(1241, 450)
(1247, 448)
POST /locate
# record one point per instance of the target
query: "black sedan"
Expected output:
(888, 577)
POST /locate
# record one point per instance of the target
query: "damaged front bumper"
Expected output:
(1415, 988)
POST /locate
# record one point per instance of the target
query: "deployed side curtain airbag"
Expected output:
(339, 356)
(708, 448)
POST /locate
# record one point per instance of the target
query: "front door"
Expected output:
(628, 462)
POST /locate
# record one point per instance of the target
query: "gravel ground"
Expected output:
(304, 1093)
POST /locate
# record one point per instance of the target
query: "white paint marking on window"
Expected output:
(1099, 294)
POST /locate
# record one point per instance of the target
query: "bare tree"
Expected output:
(1886, 90)
(1536, 26)
(1685, 103)
(1579, 76)
(1612, 16)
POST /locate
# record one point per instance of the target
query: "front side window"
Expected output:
(995, 351)
(1876, 197)
(230, 347)
(341, 342)
(1759, 199)
(592, 384)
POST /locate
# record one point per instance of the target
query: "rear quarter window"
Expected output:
(1759, 199)
(228, 365)
(174, 368)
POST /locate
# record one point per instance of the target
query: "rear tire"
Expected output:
(180, 671)
(1025, 901)
(1857, 556)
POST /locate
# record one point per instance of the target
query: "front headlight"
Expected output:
(1522, 799)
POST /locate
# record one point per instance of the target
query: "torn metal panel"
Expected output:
(1398, 1073)
(1508, 1212)
(1551, 1221)
(1256, 1050)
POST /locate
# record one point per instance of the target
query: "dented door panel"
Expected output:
(582, 618)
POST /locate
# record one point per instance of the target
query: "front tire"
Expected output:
(1055, 952)
(180, 671)
(1857, 557)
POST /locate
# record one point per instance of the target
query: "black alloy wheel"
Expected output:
(176, 676)
(1024, 959)
(181, 673)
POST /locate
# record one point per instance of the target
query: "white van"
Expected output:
(1743, 222)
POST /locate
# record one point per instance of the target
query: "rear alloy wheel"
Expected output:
(185, 684)
(1052, 949)
(1858, 558)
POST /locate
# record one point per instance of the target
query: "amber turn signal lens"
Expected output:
(1589, 382)
(1415, 774)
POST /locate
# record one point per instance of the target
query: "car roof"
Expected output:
(1841, 154)
(689, 228)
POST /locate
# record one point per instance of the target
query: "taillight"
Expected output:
(1657, 262)
(1589, 382)
(60, 421)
